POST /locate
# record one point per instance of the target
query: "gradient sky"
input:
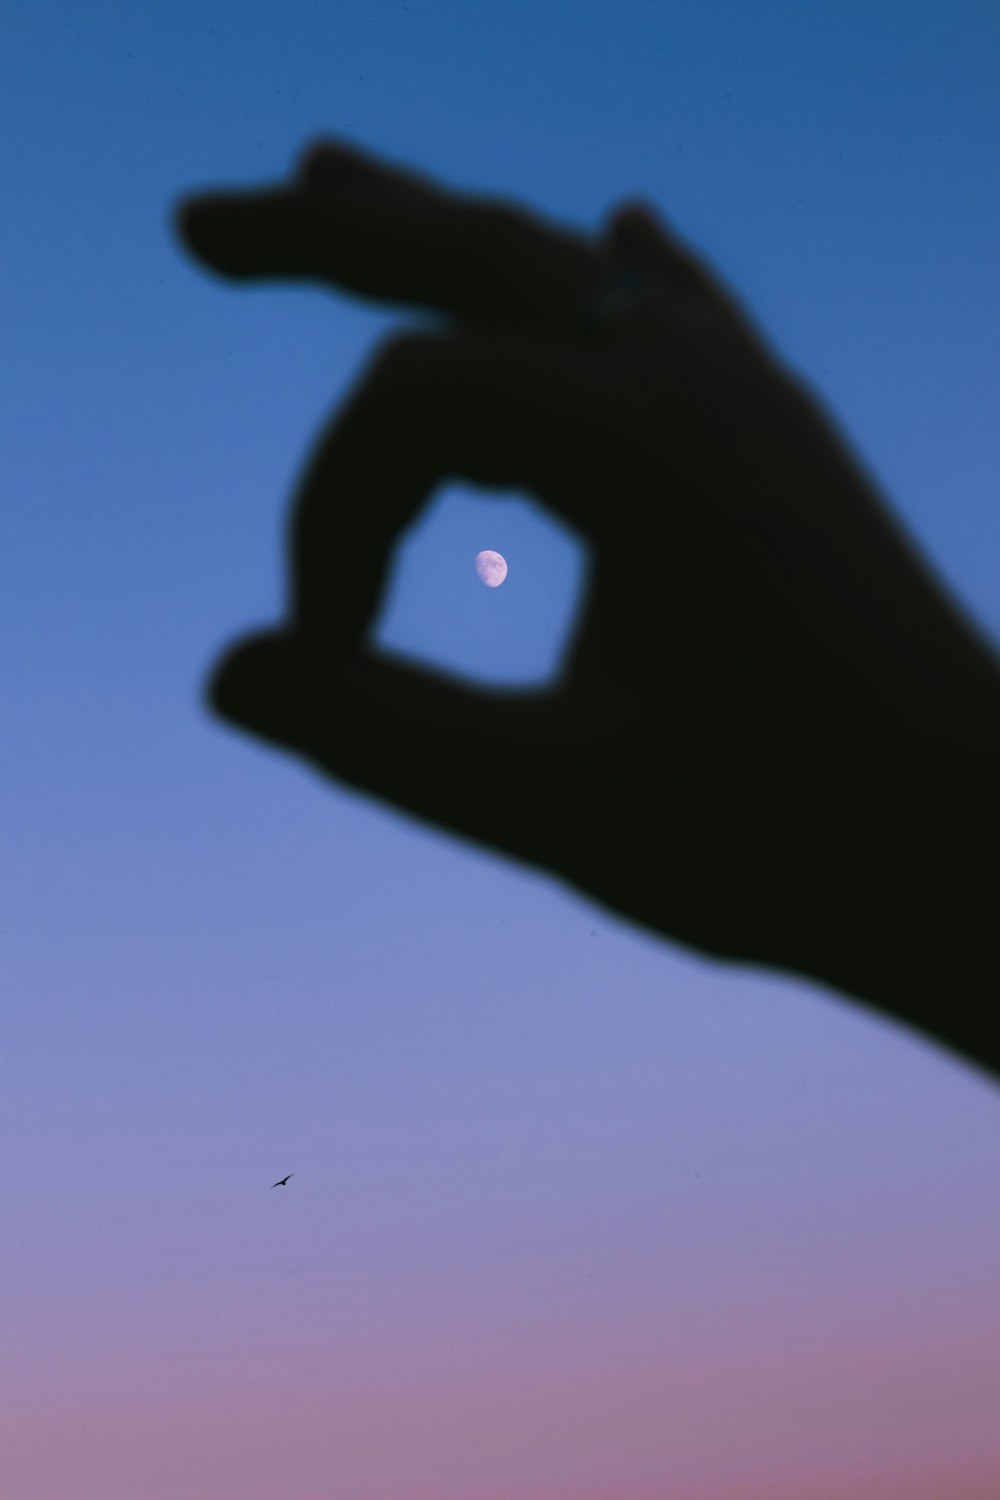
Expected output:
(576, 1215)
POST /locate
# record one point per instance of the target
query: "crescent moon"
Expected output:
(492, 568)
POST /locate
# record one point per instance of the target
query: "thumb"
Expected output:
(268, 685)
(485, 765)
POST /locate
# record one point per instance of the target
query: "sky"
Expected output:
(576, 1214)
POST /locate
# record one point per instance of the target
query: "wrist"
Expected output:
(914, 928)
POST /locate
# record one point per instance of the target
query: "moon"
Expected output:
(492, 568)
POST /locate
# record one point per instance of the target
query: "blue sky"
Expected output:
(587, 1215)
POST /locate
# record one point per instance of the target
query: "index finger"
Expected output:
(395, 236)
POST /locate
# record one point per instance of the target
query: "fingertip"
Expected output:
(259, 685)
(203, 225)
(184, 214)
(228, 688)
(636, 224)
(325, 160)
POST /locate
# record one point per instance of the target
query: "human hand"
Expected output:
(763, 665)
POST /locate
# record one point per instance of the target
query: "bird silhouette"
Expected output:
(282, 1181)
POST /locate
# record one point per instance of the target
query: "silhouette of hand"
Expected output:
(766, 674)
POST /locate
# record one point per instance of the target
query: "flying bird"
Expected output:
(282, 1181)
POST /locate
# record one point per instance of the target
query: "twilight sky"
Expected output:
(576, 1215)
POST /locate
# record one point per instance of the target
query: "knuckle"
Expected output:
(408, 358)
(402, 387)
